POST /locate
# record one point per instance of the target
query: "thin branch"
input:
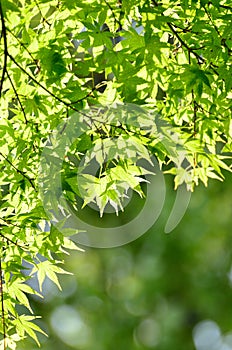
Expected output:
(190, 50)
(19, 171)
(9, 223)
(113, 14)
(5, 49)
(43, 18)
(187, 29)
(183, 43)
(226, 7)
(67, 104)
(12, 242)
(25, 48)
(17, 97)
(223, 41)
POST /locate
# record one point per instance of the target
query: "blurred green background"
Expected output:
(154, 293)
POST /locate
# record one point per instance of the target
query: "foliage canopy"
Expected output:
(170, 60)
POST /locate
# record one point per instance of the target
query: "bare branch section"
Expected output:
(190, 50)
(67, 104)
(19, 171)
(5, 49)
(17, 97)
(113, 14)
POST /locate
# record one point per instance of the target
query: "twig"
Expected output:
(10, 241)
(226, 7)
(5, 49)
(17, 97)
(223, 41)
(67, 104)
(19, 171)
(191, 50)
(43, 18)
(9, 223)
(183, 43)
(25, 48)
(112, 11)
(155, 3)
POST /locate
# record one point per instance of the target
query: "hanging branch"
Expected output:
(190, 50)
(200, 59)
(43, 18)
(5, 49)
(25, 48)
(113, 14)
(223, 41)
(17, 97)
(8, 239)
(19, 171)
(67, 104)
(183, 43)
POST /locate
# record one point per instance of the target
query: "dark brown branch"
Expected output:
(19, 171)
(113, 14)
(223, 41)
(67, 104)
(12, 242)
(7, 222)
(43, 18)
(155, 3)
(25, 48)
(191, 50)
(5, 49)
(226, 7)
(183, 43)
(17, 97)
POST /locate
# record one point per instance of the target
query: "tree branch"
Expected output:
(67, 104)
(183, 43)
(225, 7)
(19, 171)
(43, 18)
(223, 41)
(155, 3)
(25, 48)
(5, 49)
(190, 50)
(17, 97)
(12, 242)
(112, 11)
